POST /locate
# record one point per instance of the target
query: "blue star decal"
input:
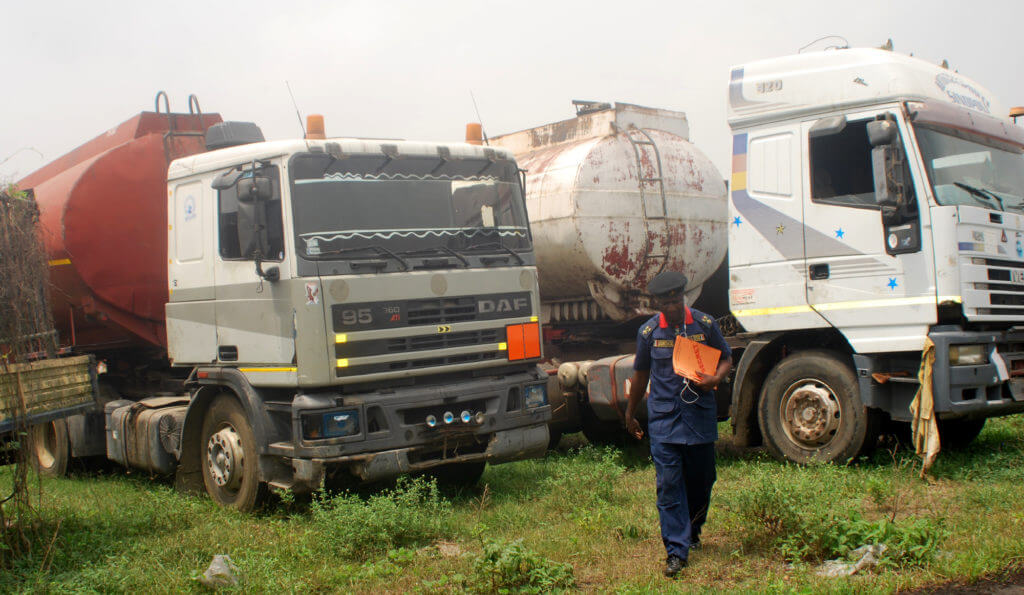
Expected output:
(892, 283)
(736, 221)
(840, 233)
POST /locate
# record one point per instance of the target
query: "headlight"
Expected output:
(967, 355)
(333, 424)
(536, 396)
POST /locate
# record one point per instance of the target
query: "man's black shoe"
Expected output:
(696, 544)
(673, 565)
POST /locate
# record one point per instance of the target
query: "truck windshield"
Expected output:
(972, 170)
(357, 206)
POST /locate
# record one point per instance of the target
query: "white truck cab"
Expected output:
(876, 202)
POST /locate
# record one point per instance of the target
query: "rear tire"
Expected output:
(955, 434)
(50, 448)
(229, 456)
(810, 410)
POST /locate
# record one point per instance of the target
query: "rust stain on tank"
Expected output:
(616, 259)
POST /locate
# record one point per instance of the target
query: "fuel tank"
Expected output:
(103, 219)
(615, 196)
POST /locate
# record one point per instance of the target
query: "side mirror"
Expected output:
(893, 189)
(882, 132)
(890, 184)
(255, 189)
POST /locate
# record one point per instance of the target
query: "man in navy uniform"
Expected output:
(682, 416)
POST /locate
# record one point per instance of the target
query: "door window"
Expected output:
(237, 222)
(841, 171)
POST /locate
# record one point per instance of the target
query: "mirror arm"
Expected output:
(271, 274)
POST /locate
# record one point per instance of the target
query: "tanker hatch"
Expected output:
(232, 134)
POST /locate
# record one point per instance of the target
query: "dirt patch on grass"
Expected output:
(1008, 582)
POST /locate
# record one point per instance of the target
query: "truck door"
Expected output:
(881, 299)
(191, 315)
(254, 315)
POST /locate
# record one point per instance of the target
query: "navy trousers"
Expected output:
(685, 474)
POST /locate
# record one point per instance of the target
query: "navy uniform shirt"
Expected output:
(692, 418)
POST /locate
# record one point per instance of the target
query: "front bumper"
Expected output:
(978, 391)
(504, 446)
(392, 435)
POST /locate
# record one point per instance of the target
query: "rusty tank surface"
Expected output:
(615, 196)
(111, 294)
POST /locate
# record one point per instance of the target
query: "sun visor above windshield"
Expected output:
(967, 121)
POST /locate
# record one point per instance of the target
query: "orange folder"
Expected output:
(689, 357)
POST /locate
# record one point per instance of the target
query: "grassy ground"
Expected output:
(581, 518)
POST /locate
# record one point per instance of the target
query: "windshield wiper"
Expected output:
(976, 192)
(499, 246)
(378, 249)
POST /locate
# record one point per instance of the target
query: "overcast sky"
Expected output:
(406, 69)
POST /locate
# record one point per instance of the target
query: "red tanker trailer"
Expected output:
(103, 216)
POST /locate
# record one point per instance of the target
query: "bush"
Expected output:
(912, 542)
(505, 567)
(777, 505)
(809, 523)
(411, 514)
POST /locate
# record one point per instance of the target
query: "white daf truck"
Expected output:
(876, 202)
(284, 314)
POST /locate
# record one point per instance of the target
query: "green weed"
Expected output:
(413, 513)
(589, 474)
(791, 513)
(505, 567)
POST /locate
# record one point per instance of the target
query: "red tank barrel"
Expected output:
(103, 218)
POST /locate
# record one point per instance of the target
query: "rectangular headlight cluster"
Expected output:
(967, 355)
(333, 424)
(536, 396)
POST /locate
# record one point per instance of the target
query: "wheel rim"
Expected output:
(810, 413)
(226, 458)
(45, 444)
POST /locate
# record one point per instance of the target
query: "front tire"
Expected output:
(956, 434)
(50, 448)
(229, 456)
(810, 410)
(457, 475)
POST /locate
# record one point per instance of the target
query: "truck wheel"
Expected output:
(810, 410)
(229, 456)
(457, 475)
(958, 433)
(554, 437)
(49, 448)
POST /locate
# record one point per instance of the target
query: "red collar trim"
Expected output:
(688, 319)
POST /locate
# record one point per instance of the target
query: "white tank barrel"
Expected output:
(616, 195)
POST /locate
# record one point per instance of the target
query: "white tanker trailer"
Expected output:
(615, 196)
